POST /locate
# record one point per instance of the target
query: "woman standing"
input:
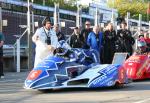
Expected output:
(109, 39)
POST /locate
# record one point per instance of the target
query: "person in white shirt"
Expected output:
(46, 41)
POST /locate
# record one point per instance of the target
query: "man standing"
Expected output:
(147, 38)
(125, 39)
(84, 33)
(94, 40)
(75, 40)
(1, 54)
(59, 34)
(46, 41)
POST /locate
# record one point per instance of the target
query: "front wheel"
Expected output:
(45, 90)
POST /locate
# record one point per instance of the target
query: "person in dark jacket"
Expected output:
(84, 34)
(59, 34)
(125, 40)
(75, 40)
(1, 54)
(109, 39)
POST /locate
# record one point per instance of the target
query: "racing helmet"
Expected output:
(62, 48)
(141, 43)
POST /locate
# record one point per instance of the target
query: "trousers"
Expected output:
(1, 66)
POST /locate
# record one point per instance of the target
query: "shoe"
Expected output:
(2, 77)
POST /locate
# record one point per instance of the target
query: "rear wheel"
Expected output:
(118, 85)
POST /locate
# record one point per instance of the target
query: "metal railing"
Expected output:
(17, 50)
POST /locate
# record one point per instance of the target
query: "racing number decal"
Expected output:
(121, 74)
(142, 69)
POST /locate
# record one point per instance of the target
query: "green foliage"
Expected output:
(69, 5)
(135, 7)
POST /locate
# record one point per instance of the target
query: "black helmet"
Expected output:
(62, 48)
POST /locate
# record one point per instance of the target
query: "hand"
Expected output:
(35, 38)
(1, 44)
(121, 34)
(50, 48)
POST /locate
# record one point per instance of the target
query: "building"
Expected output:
(105, 12)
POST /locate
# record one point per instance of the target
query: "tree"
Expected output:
(135, 7)
(64, 4)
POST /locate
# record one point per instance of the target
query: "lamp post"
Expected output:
(139, 24)
(112, 15)
(32, 15)
(128, 17)
(97, 17)
(43, 2)
(79, 17)
(56, 14)
(30, 55)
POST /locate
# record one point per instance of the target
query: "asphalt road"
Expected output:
(12, 91)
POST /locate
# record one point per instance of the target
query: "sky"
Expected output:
(85, 2)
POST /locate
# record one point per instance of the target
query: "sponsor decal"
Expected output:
(105, 78)
(34, 74)
(134, 59)
(142, 68)
(110, 69)
(106, 81)
(110, 83)
(101, 77)
(121, 74)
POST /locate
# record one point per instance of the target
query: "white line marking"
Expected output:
(143, 101)
(13, 80)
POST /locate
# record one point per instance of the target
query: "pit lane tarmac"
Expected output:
(12, 91)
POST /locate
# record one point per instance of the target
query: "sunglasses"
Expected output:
(87, 24)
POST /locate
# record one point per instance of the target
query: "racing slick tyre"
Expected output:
(45, 90)
(118, 85)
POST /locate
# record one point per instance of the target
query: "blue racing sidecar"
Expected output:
(84, 71)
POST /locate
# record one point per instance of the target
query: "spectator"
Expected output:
(147, 39)
(142, 47)
(59, 34)
(1, 54)
(120, 19)
(84, 33)
(46, 41)
(94, 40)
(141, 36)
(109, 39)
(125, 40)
(75, 40)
